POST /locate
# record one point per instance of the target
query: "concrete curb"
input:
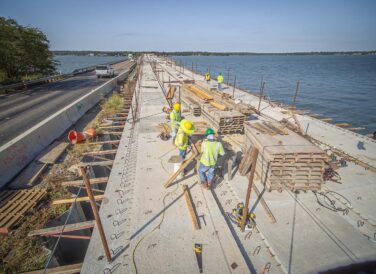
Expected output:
(16, 154)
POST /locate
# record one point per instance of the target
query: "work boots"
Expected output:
(204, 184)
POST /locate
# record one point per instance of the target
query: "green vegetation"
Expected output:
(24, 53)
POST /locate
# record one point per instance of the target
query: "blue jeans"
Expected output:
(182, 153)
(202, 170)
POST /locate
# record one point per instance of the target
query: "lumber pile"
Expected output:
(225, 122)
(286, 158)
(193, 106)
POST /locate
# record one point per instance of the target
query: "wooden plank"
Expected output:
(101, 152)
(99, 180)
(111, 127)
(326, 119)
(254, 155)
(79, 199)
(53, 152)
(66, 269)
(113, 142)
(117, 133)
(60, 229)
(102, 163)
(191, 208)
(218, 105)
(182, 167)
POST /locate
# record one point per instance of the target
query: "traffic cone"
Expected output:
(75, 137)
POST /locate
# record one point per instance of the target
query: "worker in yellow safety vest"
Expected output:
(181, 141)
(220, 81)
(207, 77)
(175, 119)
(211, 149)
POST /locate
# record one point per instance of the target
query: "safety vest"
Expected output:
(181, 140)
(220, 79)
(210, 151)
(175, 119)
(207, 77)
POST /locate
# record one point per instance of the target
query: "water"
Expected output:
(339, 87)
(69, 63)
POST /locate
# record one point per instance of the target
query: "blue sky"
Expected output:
(253, 25)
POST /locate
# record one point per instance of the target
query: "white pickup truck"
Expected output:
(104, 71)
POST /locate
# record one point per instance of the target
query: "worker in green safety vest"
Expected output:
(211, 149)
(175, 119)
(220, 81)
(181, 141)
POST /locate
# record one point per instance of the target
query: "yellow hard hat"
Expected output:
(177, 107)
(187, 126)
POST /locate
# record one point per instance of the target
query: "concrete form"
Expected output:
(306, 238)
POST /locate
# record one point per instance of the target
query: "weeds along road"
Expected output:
(22, 110)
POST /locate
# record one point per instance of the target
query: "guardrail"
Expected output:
(48, 79)
(18, 153)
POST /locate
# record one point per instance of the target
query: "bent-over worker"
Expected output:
(175, 119)
(211, 149)
(220, 81)
(181, 141)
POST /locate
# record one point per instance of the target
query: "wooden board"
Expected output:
(191, 208)
(14, 204)
(60, 229)
(53, 152)
(79, 199)
(93, 181)
(66, 269)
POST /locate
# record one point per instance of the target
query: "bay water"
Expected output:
(341, 87)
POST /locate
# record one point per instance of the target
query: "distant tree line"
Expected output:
(24, 52)
(94, 52)
(206, 53)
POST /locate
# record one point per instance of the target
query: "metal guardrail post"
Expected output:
(96, 214)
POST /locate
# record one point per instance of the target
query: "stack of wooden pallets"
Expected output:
(225, 122)
(286, 159)
(14, 205)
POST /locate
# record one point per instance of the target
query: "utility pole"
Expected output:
(233, 90)
(296, 94)
(262, 86)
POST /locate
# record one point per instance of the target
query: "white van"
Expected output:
(104, 71)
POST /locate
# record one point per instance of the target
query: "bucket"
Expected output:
(176, 168)
(75, 137)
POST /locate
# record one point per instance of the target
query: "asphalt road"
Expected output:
(22, 110)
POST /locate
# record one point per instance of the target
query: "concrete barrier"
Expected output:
(18, 153)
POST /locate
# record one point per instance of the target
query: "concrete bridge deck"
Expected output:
(307, 238)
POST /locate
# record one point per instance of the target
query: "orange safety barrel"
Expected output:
(75, 137)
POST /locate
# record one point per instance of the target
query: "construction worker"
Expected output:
(210, 149)
(181, 141)
(220, 81)
(175, 119)
(207, 77)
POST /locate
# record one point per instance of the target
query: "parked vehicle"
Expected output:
(104, 71)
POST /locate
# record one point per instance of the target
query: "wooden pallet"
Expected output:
(14, 205)
(286, 159)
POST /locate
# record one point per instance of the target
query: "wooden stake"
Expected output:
(191, 209)
(254, 154)
(96, 214)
